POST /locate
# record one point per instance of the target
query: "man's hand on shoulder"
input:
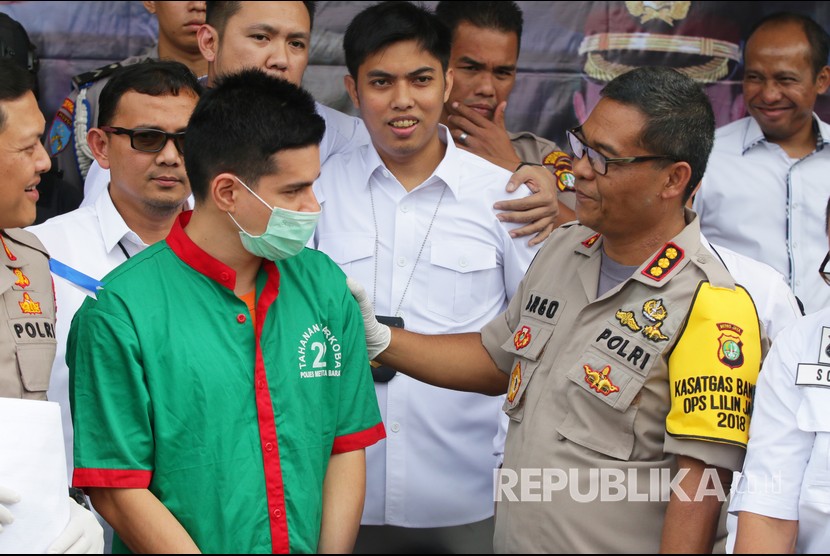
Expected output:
(537, 211)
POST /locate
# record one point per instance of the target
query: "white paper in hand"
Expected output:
(33, 463)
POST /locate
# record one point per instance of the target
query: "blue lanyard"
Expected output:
(75, 276)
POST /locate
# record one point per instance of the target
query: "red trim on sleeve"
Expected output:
(358, 440)
(274, 487)
(112, 478)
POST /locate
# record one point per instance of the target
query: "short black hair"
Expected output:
(150, 77)
(680, 122)
(505, 17)
(15, 81)
(241, 122)
(217, 14)
(816, 36)
(387, 23)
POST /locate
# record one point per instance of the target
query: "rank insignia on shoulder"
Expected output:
(662, 264)
(515, 382)
(729, 345)
(522, 338)
(29, 306)
(599, 380)
(588, 243)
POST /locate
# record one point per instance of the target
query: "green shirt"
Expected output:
(173, 390)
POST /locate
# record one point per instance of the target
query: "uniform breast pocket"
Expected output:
(528, 344)
(34, 363)
(602, 401)
(353, 253)
(464, 278)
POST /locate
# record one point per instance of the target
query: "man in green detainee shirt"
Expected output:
(219, 384)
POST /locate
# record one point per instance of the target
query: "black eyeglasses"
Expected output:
(148, 140)
(598, 161)
(825, 274)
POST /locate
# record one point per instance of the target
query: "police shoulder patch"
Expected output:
(562, 167)
(661, 265)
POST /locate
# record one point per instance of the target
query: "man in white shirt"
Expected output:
(144, 109)
(765, 187)
(275, 36)
(411, 217)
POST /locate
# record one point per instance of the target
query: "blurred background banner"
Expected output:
(568, 51)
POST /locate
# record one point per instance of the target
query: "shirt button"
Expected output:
(268, 446)
(795, 245)
(402, 261)
(404, 208)
(395, 427)
(385, 173)
(225, 276)
(241, 318)
(798, 282)
(463, 262)
(702, 259)
(277, 513)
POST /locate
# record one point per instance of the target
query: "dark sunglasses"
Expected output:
(148, 140)
(825, 274)
(598, 161)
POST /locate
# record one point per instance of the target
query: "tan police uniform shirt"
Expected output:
(594, 385)
(538, 150)
(27, 333)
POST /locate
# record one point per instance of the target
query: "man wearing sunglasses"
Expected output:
(144, 109)
(628, 354)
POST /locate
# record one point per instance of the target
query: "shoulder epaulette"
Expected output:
(94, 75)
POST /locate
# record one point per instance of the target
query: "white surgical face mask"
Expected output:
(285, 236)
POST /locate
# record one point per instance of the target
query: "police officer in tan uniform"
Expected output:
(27, 336)
(629, 355)
(27, 316)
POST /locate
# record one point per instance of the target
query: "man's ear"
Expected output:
(222, 191)
(98, 142)
(208, 40)
(351, 88)
(150, 7)
(677, 179)
(823, 80)
(448, 80)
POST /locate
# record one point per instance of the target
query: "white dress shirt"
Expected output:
(774, 301)
(761, 203)
(86, 239)
(435, 468)
(785, 473)
(343, 133)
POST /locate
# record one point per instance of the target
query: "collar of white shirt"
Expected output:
(449, 170)
(753, 134)
(113, 227)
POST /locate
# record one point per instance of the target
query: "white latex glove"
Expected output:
(7, 496)
(83, 533)
(378, 335)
